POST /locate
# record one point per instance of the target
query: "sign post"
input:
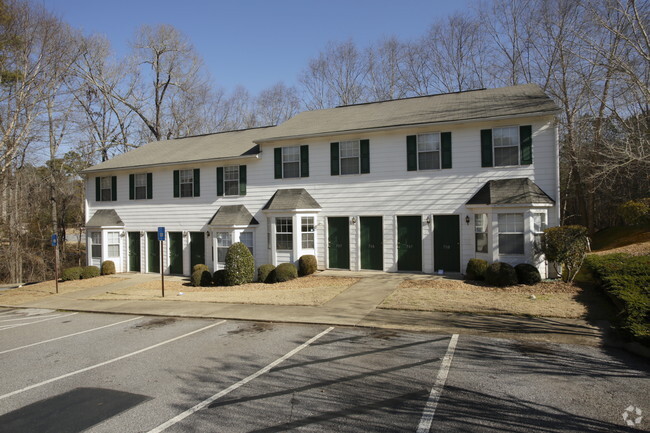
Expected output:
(161, 238)
(55, 243)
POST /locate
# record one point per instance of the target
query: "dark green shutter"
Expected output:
(526, 144)
(177, 187)
(242, 180)
(365, 156)
(197, 182)
(486, 148)
(98, 189)
(277, 152)
(445, 144)
(411, 153)
(304, 160)
(132, 187)
(149, 185)
(334, 155)
(113, 188)
(219, 181)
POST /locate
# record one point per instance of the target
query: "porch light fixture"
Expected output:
(142, 232)
(353, 220)
(186, 234)
(428, 220)
(467, 220)
(207, 234)
(122, 234)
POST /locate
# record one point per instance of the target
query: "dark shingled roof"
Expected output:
(105, 218)
(510, 191)
(291, 199)
(233, 215)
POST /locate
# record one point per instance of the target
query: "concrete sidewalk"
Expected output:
(355, 306)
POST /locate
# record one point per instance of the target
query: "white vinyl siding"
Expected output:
(428, 151)
(349, 157)
(506, 146)
(511, 233)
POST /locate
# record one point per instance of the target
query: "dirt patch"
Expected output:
(156, 323)
(33, 292)
(252, 328)
(546, 299)
(310, 290)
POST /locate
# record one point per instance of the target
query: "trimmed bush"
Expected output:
(219, 278)
(501, 274)
(108, 267)
(527, 274)
(626, 279)
(476, 269)
(200, 266)
(635, 212)
(240, 265)
(70, 274)
(263, 273)
(284, 272)
(201, 278)
(89, 272)
(566, 246)
(307, 265)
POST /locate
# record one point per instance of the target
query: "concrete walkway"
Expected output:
(355, 306)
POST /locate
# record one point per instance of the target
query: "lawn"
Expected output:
(34, 292)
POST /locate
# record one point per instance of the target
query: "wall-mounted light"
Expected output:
(207, 234)
(186, 234)
(353, 220)
(428, 220)
(142, 232)
(467, 220)
(122, 234)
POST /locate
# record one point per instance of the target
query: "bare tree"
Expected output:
(385, 80)
(276, 104)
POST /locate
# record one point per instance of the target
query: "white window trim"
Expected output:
(439, 151)
(293, 230)
(522, 233)
(312, 233)
(299, 162)
(225, 190)
(109, 244)
(102, 189)
(181, 183)
(518, 142)
(358, 157)
(135, 186)
(485, 231)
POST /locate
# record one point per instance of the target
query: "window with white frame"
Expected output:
(349, 155)
(96, 245)
(506, 146)
(231, 180)
(511, 233)
(291, 162)
(140, 181)
(307, 229)
(284, 233)
(106, 185)
(246, 238)
(539, 225)
(186, 181)
(224, 240)
(113, 244)
(428, 151)
(481, 232)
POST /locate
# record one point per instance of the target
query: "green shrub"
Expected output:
(635, 212)
(201, 278)
(476, 269)
(89, 272)
(566, 246)
(240, 265)
(527, 274)
(501, 274)
(70, 274)
(284, 272)
(307, 265)
(263, 273)
(108, 267)
(626, 279)
(200, 266)
(219, 278)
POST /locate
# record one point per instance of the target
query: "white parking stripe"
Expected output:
(110, 361)
(233, 387)
(16, 325)
(430, 408)
(27, 318)
(69, 335)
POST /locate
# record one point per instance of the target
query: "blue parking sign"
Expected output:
(55, 240)
(161, 233)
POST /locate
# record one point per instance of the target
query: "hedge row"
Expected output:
(626, 279)
(502, 274)
(79, 273)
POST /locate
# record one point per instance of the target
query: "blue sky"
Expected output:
(257, 43)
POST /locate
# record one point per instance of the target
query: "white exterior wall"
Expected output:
(387, 191)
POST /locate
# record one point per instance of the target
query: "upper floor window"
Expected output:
(106, 188)
(291, 162)
(428, 151)
(140, 186)
(231, 180)
(511, 233)
(187, 183)
(350, 157)
(506, 146)
(431, 151)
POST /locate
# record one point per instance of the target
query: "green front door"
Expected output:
(446, 243)
(371, 243)
(338, 241)
(409, 243)
(134, 251)
(153, 249)
(197, 249)
(175, 253)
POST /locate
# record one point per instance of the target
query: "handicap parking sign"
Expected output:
(161, 233)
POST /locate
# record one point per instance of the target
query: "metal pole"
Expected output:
(162, 275)
(56, 267)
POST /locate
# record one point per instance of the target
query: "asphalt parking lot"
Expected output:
(73, 372)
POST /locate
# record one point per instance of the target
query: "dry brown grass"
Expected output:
(638, 249)
(33, 292)
(311, 290)
(552, 299)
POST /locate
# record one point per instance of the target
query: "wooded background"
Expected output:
(67, 102)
